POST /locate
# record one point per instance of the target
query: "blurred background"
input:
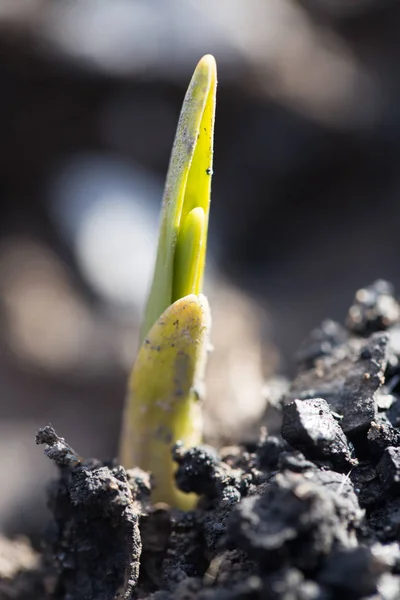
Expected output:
(305, 201)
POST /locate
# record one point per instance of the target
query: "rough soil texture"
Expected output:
(311, 514)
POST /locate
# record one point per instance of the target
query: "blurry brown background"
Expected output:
(305, 199)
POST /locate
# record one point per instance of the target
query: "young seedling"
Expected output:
(165, 386)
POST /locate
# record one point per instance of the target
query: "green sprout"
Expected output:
(166, 382)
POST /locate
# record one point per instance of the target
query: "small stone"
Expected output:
(309, 426)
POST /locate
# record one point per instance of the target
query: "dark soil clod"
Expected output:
(348, 380)
(309, 426)
(200, 470)
(296, 519)
(95, 547)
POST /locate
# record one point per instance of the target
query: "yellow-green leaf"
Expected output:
(188, 254)
(188, 184)
(163, 404)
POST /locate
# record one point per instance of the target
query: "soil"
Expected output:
(310, 514)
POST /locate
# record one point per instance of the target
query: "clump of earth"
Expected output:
(310, 514)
